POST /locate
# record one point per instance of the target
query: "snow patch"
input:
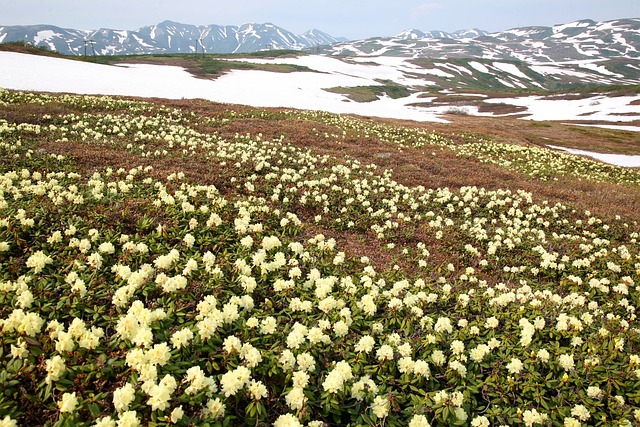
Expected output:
(304, 90)
(479, 67)
(600, 69)
(575, 24)
(44, 35)
(625, 160)
(616, 127)
(597, 108)
(141, 41)
(504, 82)
(511, 69)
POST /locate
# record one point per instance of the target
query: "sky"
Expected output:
(353, 19)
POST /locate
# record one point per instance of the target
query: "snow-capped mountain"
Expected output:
(52, 37)
(414, 34)
(585, 39)
(469, 33)
(583, 52)
(166, 37)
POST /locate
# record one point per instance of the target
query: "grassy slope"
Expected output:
(243, 152)
(206, 66)
(209, 65)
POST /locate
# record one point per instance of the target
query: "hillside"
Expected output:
(581, 54)
(573, 54)
(579, 40)
(386, 87)
(191, 263)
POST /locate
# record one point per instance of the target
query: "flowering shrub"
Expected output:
(132, 297)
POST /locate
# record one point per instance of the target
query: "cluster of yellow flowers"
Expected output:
(212, 305)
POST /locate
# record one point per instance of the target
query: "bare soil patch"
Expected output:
(500, 109)
(567, 96)
(452, 99)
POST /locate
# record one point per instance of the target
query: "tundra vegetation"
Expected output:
(190, 263)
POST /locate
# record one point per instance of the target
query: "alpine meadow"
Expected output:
(190, 262)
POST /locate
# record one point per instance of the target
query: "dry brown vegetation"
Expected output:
(411, 166)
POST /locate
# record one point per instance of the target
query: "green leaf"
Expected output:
(95, 410)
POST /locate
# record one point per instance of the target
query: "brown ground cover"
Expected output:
(418, 166)
(501, 108)
(411, 166)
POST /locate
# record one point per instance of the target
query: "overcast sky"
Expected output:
(354, 19)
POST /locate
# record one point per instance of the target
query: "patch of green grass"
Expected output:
(539, 124)
(621, 139)
(278, 53)
(24, 47)
(206, 65)
(372, 93)
(216, 67)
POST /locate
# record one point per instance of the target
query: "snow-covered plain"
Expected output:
(597, 107)
(614, 159)
(302, 90)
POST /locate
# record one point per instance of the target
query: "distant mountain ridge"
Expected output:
(580, 40)
(414, 34)
(166, 37)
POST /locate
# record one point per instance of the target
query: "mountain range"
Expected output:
(174, 37)
(579, 40)
(583, 52)
(414, 34)
(165, 37)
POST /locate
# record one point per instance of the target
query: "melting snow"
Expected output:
(551, 69)
(139, 40)
(504, 82)
(479, 67)
(575, 24)
(511, 69)
(457, 68)
(613, 159)
(594, 108)
(616, 127)
(600, 69)
(621, 40)
(304, 90)
(44, 35)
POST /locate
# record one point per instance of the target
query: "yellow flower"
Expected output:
(419, 421)
(68, 403)
(380, 406)
(287, 420)
(38, 261)
(296, 398)
(123, 396)
(215, 408)
(176, 415)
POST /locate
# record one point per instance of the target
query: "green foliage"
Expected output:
(152, 297)
(205, 65)
(24, 47)
(373, 93)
